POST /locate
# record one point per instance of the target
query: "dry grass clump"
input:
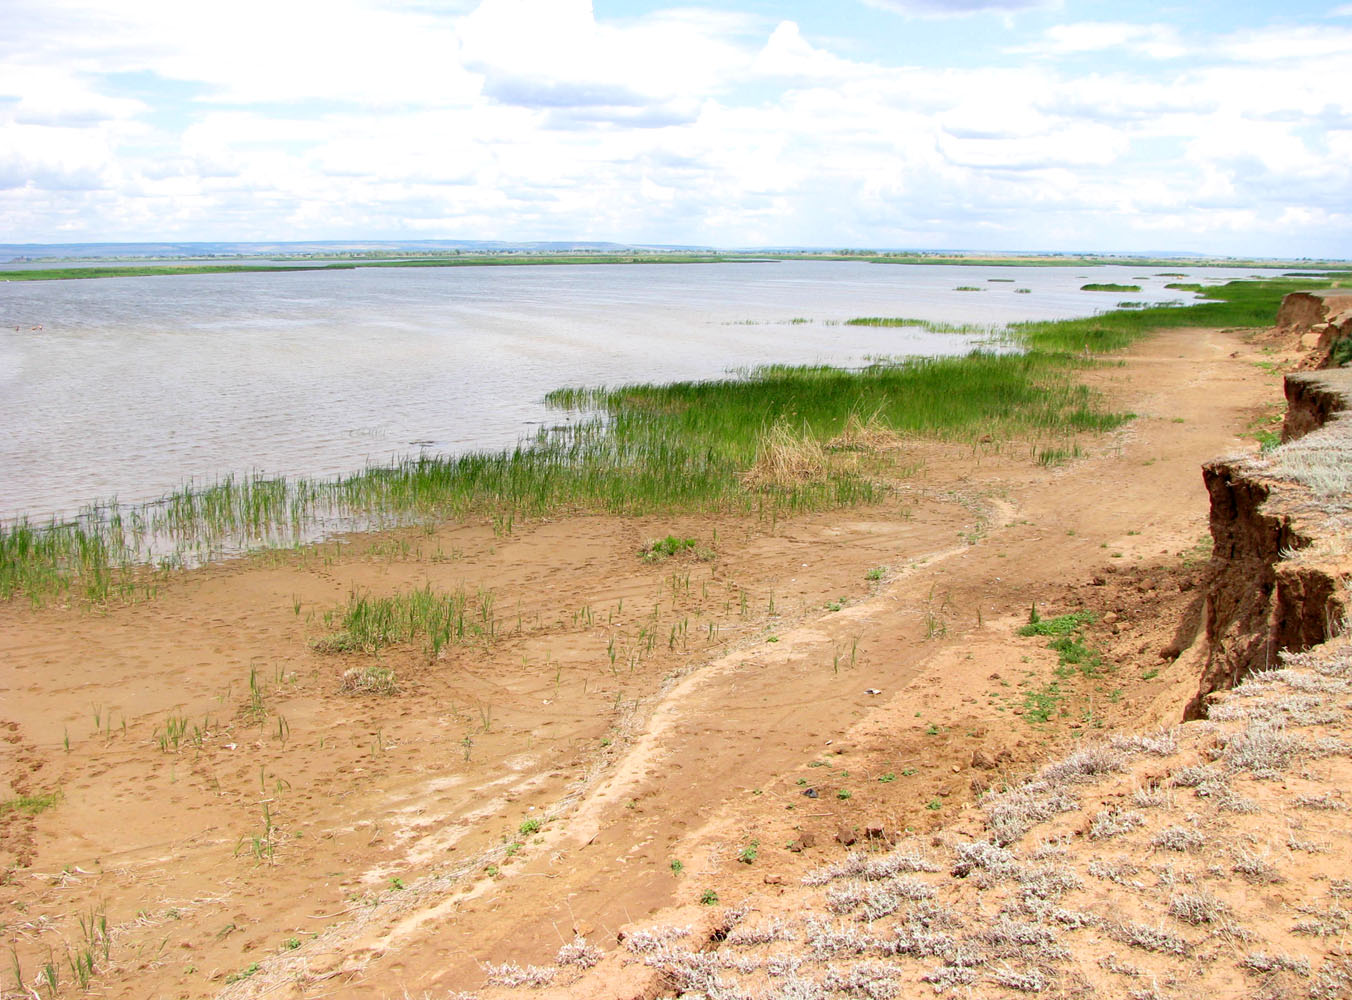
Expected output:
(766, 932)
(862, 864)
(1333, 981)
(579, 953)
(1160, 744)
(1120, 872)
(1153, 797)
(785, 459)
(1029, 980)
(371, 679)
(1013, 812)
(1197, 907)
(1329, 801)
(1157, 939)
(1322, 921)
(1114, 822)
(510, 974)
(1262, 962)
(873, 980)
(995, 861)
(1177, 838)
(1265, 748)
(859, 434)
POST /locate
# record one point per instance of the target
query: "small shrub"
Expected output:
(658, 549)
(577, 952)
(511, 975)
(1263, 963)
(1113, 822)
(1155, 939)
(1196, 907)
(1177, 838)
(1254, 867)
(373, 679)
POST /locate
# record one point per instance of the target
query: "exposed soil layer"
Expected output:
(1260, 599)
(626, 733)
(1320, 323)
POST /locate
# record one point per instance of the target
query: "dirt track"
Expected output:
(388, 852)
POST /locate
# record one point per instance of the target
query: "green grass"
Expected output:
(1040, 706)
(1067, 635)
(31, 805)
(1061, 625)
(145, 271)
(683, 447)
(368, 624)
(664, 548)
(933, 326)
(1109, 286)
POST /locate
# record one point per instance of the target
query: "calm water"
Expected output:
(133, 386)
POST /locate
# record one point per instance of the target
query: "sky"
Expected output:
(998, 125)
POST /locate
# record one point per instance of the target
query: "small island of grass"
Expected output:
(1109, 286)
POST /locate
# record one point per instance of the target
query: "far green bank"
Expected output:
(776, 441)
(320, 263)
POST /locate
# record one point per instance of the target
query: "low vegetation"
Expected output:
(368, 624)
(759, 444)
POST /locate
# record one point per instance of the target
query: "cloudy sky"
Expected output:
(1199, 125)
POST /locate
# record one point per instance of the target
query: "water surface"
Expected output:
(130, 387)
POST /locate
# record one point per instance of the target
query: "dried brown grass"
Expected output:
(785, 458)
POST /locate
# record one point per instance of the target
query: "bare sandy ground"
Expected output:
(629, 734)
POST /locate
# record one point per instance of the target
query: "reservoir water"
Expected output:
(130, 387)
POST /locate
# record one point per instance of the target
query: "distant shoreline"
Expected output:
(345, 262)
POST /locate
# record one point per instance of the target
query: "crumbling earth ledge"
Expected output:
(1278, 522)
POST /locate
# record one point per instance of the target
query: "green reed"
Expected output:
(440, 618)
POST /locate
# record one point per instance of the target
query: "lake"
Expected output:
(130, 387)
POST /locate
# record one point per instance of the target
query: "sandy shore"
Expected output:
(633, 731)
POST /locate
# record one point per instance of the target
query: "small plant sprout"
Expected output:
(528, 827)
(677, 866)
(708, 898)
(747, 855)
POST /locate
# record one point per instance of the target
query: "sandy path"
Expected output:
(718, 763)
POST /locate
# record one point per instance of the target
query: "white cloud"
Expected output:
(1296, 43)
(1155, 41)
(536, 119)
(959, 8)
(788, 54)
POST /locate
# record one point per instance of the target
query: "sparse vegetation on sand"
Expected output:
(368, 623)
(682, 447)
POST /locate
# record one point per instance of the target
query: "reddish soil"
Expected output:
(303, 841)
